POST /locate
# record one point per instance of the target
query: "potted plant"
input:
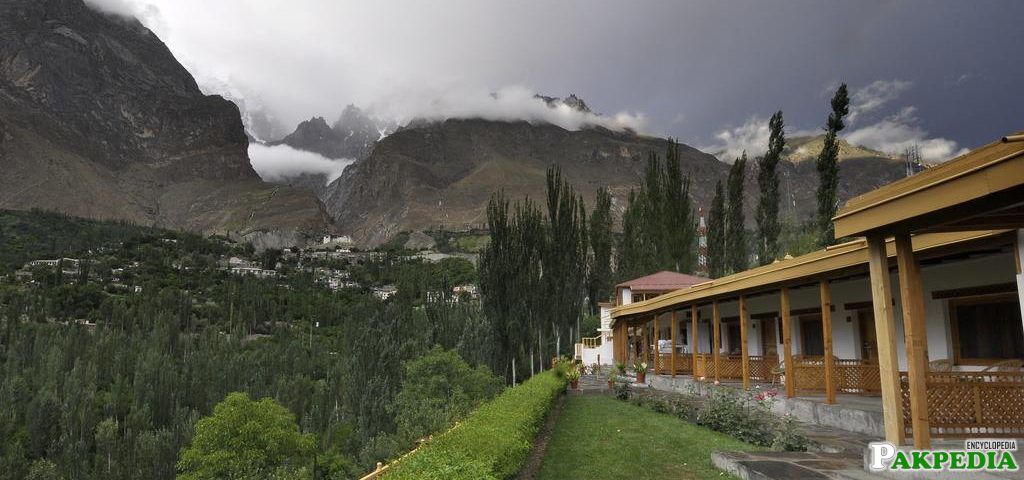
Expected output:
(641, 371)
(573, 375)
(612, 378)
(621, 367)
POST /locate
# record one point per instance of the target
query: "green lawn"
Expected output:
(598, 437)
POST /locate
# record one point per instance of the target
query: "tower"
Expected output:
(702, 244)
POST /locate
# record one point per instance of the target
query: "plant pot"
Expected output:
(575, 384)
(641, 377)
(611, 385)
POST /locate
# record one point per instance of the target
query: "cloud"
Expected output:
(751, 137)
(895, 133)
(874, 96)
(124, 8)
(510, 103)
(282, 162)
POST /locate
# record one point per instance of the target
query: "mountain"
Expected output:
(442, 174)
(98, 119)
(352, 136)
(802, 149)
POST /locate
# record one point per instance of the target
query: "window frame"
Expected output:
(954, 324)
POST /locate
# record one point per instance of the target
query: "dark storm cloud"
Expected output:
(936, 73)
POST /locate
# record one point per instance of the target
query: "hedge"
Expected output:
(493, 442)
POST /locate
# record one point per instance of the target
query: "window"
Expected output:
(986, 329)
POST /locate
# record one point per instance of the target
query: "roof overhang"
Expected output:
(980, 190)
(831, 262)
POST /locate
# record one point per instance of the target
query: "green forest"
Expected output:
(97, 382)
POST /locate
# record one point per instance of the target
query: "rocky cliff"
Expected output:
(98, 119)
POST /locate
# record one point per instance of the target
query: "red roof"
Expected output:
(662, 281)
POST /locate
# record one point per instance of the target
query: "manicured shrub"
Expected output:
(493, 442)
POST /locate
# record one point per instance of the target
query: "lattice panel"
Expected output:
(858, 376)
(963, 404)
(761, 368)
(729, 367)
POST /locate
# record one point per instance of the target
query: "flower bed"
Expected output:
(742, 416)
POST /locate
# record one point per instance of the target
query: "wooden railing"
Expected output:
(850, 375)
(730, 367)
(592, 342)
(969, 404)
(683, 361)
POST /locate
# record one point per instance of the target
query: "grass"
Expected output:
(599, 437)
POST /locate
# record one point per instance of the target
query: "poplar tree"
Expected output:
(768, 182)
(735, 236)
(716, 233)
(564, 264)
(659, 227)
(828, 167)
(599, 284)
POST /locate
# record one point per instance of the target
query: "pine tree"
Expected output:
(828, 167)
(768, 203)
(716, 233)
(735, 235)
(599, 285)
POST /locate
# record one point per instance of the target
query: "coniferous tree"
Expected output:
(768, 203)
(828, 166)
(716, 233)
(735, 235)
(599, 285)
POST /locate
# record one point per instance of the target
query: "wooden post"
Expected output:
(716, 319)
(912, 299)
(675, 332)
(826, 333)
(787, 343)
(657, 338)
(744, 354)
(885, 331)
(694, 340)
(645, 345)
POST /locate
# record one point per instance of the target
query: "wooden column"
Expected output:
(657, 350)
(694, 339)
(716, 340)
(744, 354)
(826, 333)
(885, 331)
(912, 300)
(645, 343)
(787, 343)
(675, 334)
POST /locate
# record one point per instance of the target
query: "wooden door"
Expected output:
(769, 340)
(812, 341)
(868, 339)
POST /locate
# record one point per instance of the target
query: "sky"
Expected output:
(941, 74)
